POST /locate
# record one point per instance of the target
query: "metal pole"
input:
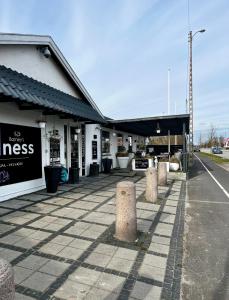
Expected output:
(190, 97)
(168, 91)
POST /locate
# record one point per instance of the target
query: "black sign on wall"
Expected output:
(83, 148)
(94, 150)
(141, 163)
(20, 153)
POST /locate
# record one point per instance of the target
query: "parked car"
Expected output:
(196, 149)
(217, 150)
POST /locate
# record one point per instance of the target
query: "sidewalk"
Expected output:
(62, 246)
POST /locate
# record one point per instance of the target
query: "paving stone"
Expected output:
(99, 217)
(70, 252)
(152, 272)
(33, 262)
(110, 282)
(58, 201)
(120, 264)
(4, 210)
(4, 228)
(34, 197)
(85, 276)
(23, 297)
(20, 274)
(159, 248)
(72, 290)
(78, 228)
(94, 231)
(24, 232)
(170, 209)
(144, 291)
(27, 243)
(55, 268)
(99, 294)
(83, 205)
(126, 253)
(172, 203)
(143, 225)
(161, 240)
(98, 259)
(167, 218)
(41, 208)
(14, 203)
(52, 248)
(106, 249)
(80, 243)
(39, 281)
(155, 261)
(164, 229)
(9, 254)
(10, 239)
(62, 240)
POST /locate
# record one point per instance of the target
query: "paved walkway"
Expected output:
(62, 246)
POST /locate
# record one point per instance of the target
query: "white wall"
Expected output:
(31, 62)
(10, 114)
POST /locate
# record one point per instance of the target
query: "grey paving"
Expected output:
(63, 245)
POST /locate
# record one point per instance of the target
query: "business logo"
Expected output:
(20, 153)
(17, 133)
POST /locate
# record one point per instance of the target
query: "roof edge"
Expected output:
(32, 39)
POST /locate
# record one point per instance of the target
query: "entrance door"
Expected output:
(74, 148)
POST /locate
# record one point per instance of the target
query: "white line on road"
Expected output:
(211, 202)
(213, 177)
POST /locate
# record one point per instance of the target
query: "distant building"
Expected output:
(226, 143)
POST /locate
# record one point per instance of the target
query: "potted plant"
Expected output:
(174, 164)
(122, 157)
(53, 171)
(166, 160)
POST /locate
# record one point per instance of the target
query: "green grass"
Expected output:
(217, 159)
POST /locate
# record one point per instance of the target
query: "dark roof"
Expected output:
(148, 126)
(24, 89)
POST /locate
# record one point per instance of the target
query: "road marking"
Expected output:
(213, 177)
(213, 202)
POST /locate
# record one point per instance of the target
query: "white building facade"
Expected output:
(30, 79)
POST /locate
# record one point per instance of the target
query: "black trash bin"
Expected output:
(74, 175)
(107, 163)
(52, 178)
(94, 169)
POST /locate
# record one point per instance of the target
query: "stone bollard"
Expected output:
(126, 221)
(7, 288)
(162, 173)
(151, 184)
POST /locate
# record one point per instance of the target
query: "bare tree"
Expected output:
(212, 137)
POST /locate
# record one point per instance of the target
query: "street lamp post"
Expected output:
(190, 98)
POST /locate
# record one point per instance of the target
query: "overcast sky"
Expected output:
(121, 51)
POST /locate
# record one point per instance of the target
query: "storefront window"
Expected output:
(119, 142)
(105, 142)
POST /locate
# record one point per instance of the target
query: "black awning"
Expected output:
(151, 126)
(23, 89)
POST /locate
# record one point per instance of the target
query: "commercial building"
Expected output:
(48, 117)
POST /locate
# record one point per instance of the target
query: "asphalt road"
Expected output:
(206, 245)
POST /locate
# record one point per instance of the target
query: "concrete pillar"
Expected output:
(162, 173)
(7, 288)
(126, 220)
(151, 184)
